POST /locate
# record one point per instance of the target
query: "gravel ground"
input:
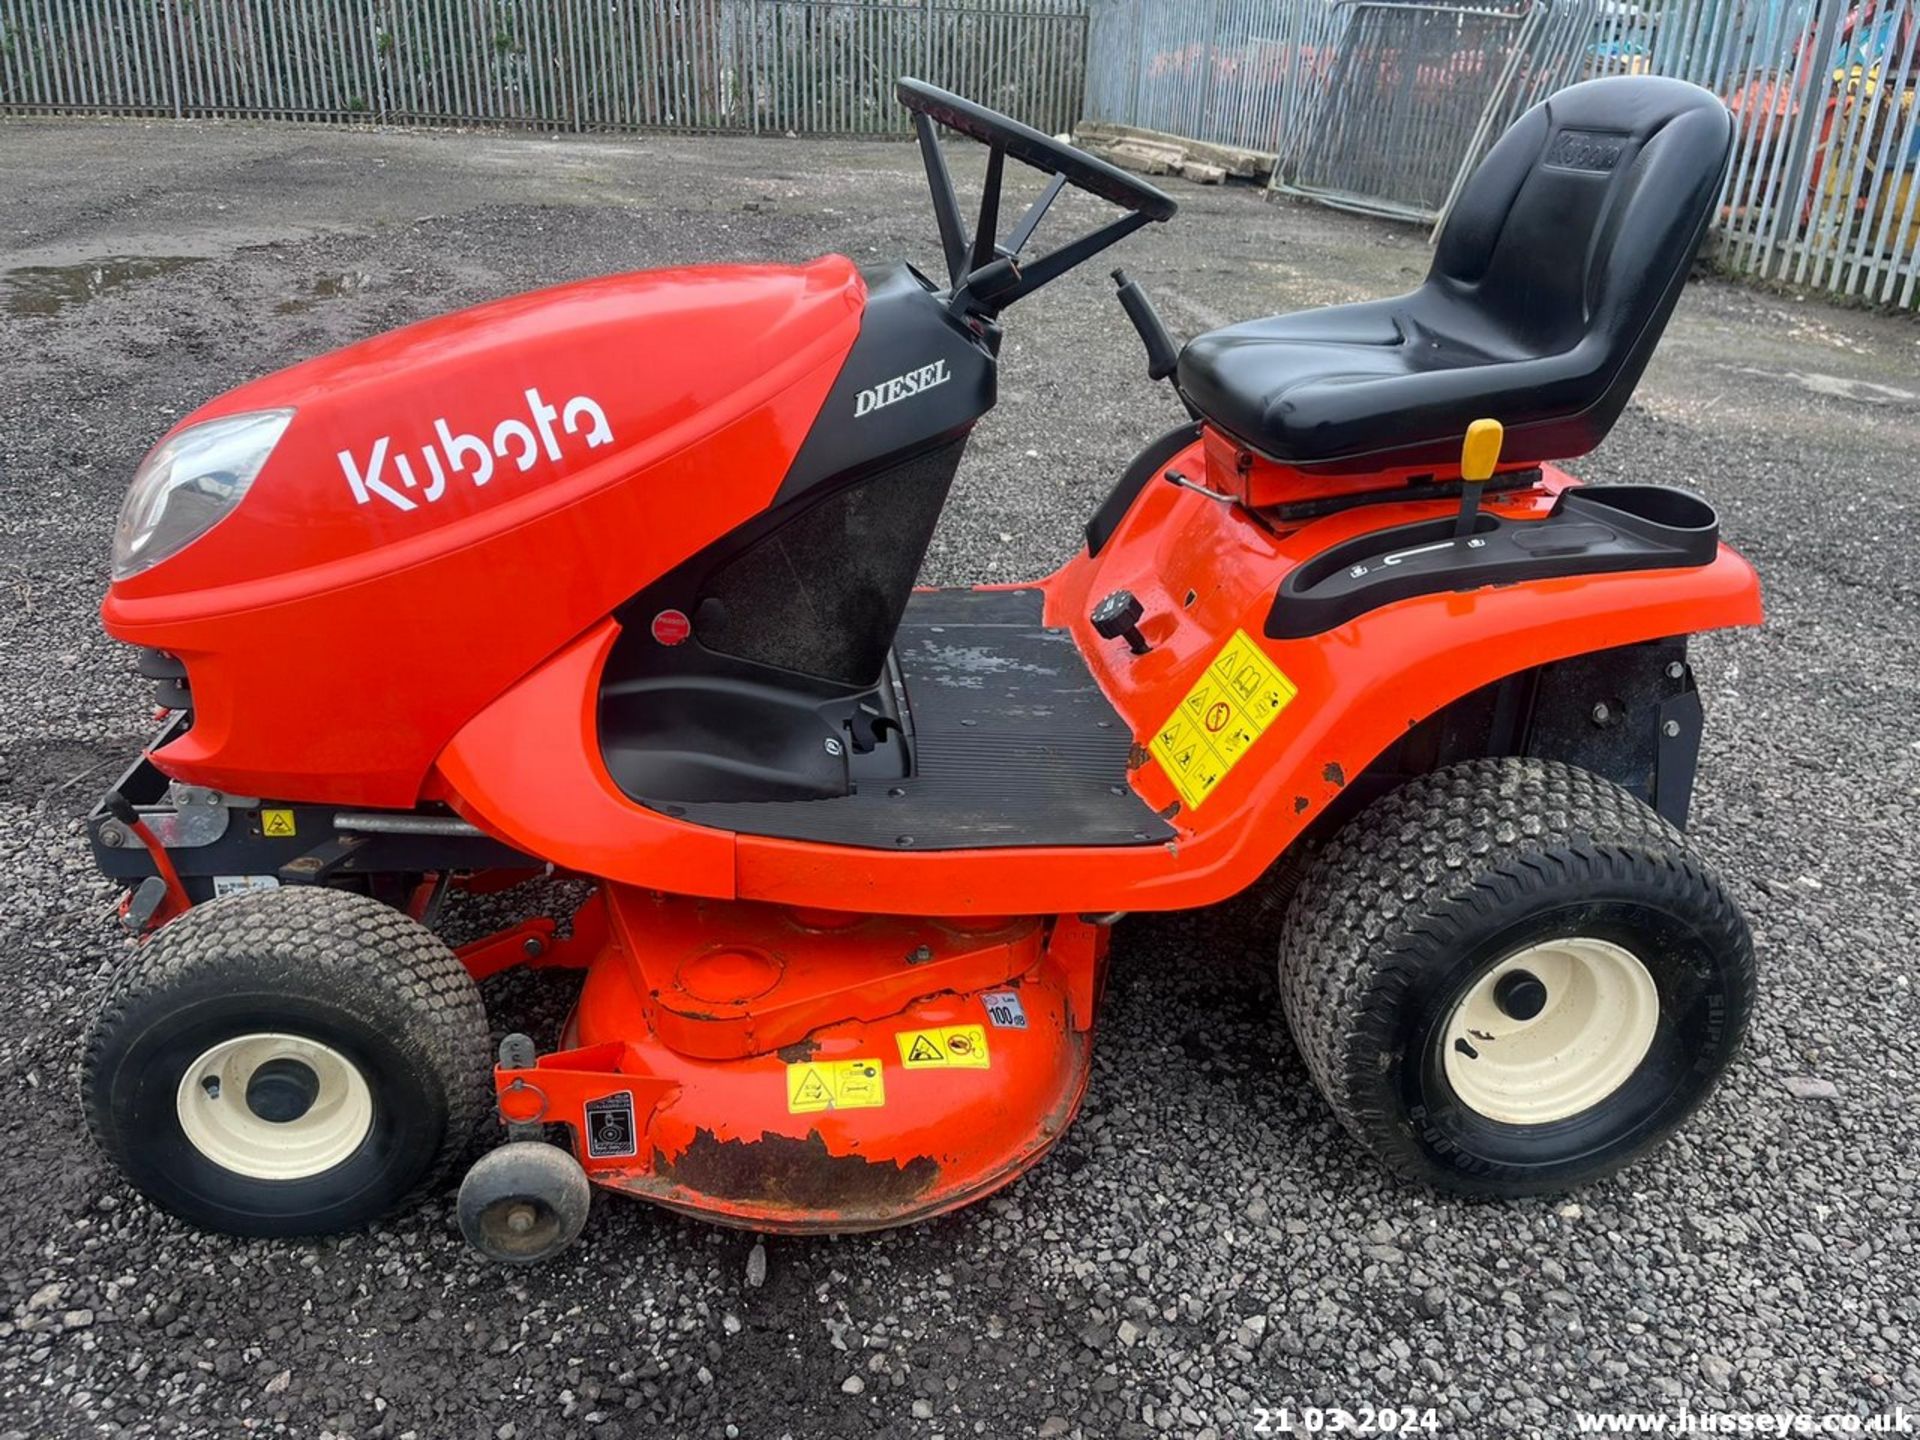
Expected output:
(1204, 1242)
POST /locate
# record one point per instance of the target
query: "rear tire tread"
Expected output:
(1414, 868)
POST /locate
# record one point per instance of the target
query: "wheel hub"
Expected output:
(274, 1107)
(1520, 995)
(1550, 1031)
(282, 1090)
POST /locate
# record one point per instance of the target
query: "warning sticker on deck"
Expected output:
(951, 1047)
(276, 822)
(834, 1085)
(1228, 708)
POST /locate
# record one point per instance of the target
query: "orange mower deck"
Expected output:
(785, 1070)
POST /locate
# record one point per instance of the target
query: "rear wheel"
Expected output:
(288, 1062)
(1511, 976)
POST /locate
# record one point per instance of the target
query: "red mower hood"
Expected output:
(428, 437)
(452, 502)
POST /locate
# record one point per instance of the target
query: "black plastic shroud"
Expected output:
(781, 691)
(1589, 531)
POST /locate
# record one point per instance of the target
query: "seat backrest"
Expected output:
(1580, 226)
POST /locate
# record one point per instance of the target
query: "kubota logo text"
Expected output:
(513, 439)
(900, 387)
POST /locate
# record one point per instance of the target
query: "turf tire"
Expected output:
(327, 965)
(1436, 882)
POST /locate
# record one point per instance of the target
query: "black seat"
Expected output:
(1551, 283)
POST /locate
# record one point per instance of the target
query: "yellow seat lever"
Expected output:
(1481, 450)
(1479, 453)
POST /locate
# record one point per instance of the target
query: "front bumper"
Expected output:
(219, 843)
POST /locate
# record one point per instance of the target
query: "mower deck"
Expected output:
(804, 1071)
(1013, 745)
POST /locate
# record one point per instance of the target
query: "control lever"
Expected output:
(1479, 453)
(1162, 356)
(1118, 617)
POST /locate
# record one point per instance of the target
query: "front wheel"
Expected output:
(288, 1062)
(1511, 976)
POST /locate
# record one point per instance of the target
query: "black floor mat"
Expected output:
(1014, 744)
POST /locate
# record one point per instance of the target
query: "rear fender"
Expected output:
(1206, 572)
(1630, 715)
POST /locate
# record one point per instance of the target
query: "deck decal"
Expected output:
(951, 1047)
(1228, 708)
(1004, 1009)
(610, 1127)
(814, 1085)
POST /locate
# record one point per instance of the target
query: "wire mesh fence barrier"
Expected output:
(1371, 104)
(812, 67)
(1408, 85)
(1387, 105)
(1234, 72)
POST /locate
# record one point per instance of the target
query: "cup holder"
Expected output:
(1664, 516)
(1664, 506)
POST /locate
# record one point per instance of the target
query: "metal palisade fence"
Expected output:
(1824, 189)
(812, 67)
(1386, 105)
(1379, 105)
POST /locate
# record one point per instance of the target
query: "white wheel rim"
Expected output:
(242, 1119)
(1597, 1023)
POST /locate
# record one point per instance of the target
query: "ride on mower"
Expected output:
(616, 580)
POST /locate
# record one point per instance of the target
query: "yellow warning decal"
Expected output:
(1228, 708)
(952, 1047)
(834, 1085)
(276, 822)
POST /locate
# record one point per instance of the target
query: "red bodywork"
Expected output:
(346, 647)
(1361, 685)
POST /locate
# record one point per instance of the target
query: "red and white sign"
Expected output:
(671, 627)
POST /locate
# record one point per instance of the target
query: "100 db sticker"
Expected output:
(1338, 1420)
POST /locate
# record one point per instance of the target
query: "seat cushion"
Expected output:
(1383, 383)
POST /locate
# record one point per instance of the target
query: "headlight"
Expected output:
(190, 483)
